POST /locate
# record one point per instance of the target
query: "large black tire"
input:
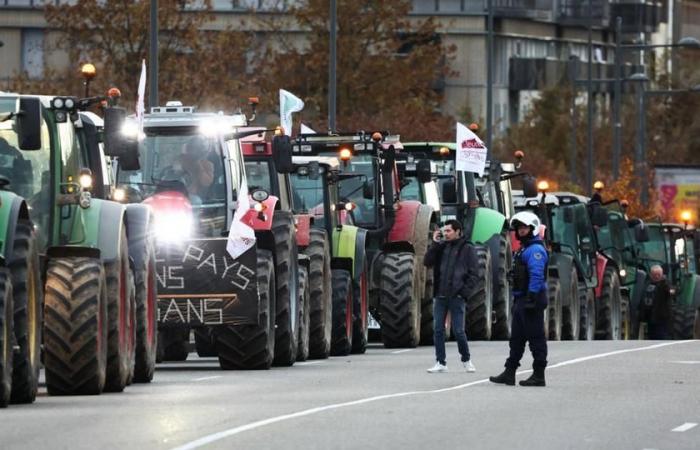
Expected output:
(252, 347)
(27, 296)
(608, 311)
(320, 290)
(571, 320)
(554, 309)
(360, 312)
(6, 338)
(587, 325)
(146, 320)
(75, 326)
(683, 321)
(304, 318)
(341, 338)
(426, 313)
(173, 344)
(502, 296)
(204, 342)
(287, 283)
(478, 318)
(400, 299)
(121, 310)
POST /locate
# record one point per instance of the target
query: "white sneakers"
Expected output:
(468, 366)
(438, 368)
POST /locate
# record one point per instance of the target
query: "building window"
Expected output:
(33, 52)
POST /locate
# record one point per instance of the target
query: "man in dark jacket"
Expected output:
(455, 267)
(656, 308)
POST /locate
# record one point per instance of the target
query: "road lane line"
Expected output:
(207, 378)
(308, 363)
(685, 427)
(208, 439)
(685, 362)
(402, 351)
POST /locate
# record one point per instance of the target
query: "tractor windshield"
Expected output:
(352, 189)
(259, 175)
(28, 172)
(654, 251)
(183, 160)
(308, 196)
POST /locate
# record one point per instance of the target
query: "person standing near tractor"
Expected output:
(455, 262)
(530, 302)
(656, 308)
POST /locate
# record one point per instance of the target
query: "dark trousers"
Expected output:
(528, 327)
(456, 307)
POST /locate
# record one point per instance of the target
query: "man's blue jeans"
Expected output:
(456, 307)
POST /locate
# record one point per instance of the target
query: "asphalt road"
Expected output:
(613, 395)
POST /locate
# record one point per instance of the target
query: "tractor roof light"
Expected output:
(444, 151)
(345, 154)
(474, 126)
(686, 216)
(598, 185)
(543, 186)
(377, 136)
(88, 71)
(253, 100)
(114, 93)
(519, 154)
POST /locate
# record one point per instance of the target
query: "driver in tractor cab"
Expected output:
(15, 168)
(529, 302)
(194, 168)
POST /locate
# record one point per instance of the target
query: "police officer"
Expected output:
(530, 301)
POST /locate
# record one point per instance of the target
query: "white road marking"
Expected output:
(207, 378)
(685, 362)
(402, 351)
(308, 363)
(208, 439)
(685, 427)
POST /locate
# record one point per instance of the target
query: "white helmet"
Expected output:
(526, 218)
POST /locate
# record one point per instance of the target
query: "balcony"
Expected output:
(638, 16)
(575, 13)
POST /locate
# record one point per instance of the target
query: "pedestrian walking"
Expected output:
(454, 262)
(530, 302)
(656, 308)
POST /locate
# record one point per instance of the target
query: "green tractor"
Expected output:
(483, 204)
(397, 231)
(89, 326)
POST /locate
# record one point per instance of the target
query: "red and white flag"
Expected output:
(241, 237)
(140, 102)
(471, 151)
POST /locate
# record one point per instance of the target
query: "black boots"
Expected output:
(536, 379)
(507, 377)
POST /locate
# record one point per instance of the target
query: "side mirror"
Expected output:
(117, 144)
(29, 123)
(529, 186)
(586, 245)
(282, 154)
(449, 191)
(367, 190)
(423, 171)
(599, 216)
(641, 234)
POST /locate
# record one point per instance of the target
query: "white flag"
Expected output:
(471, 151)
(289, 103)
(140, 103)
(306, 130)
(241, 237)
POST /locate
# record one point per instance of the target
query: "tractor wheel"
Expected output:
(304, 304)
(479, 307)
(320, 291)
(75, 326)
(502, 298)
(426, 313)
(400, 300)
(27, 296)
(609, 318)
(683, 321)
(287, 294)
(121, 318)
(6, 338)
(588, 316)
(554, 309)
(146, 320)
(571, 319)
(341, 342)
(204, 342)
(625, 318)
(360, 323)
(173, 344)
(252, 346)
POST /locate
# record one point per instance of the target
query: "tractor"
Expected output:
(483, 205)
(263, 171)
(83, 269)
(191, 171)
(397, 231)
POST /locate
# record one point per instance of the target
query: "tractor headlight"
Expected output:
(623, 273)
(173, 227)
